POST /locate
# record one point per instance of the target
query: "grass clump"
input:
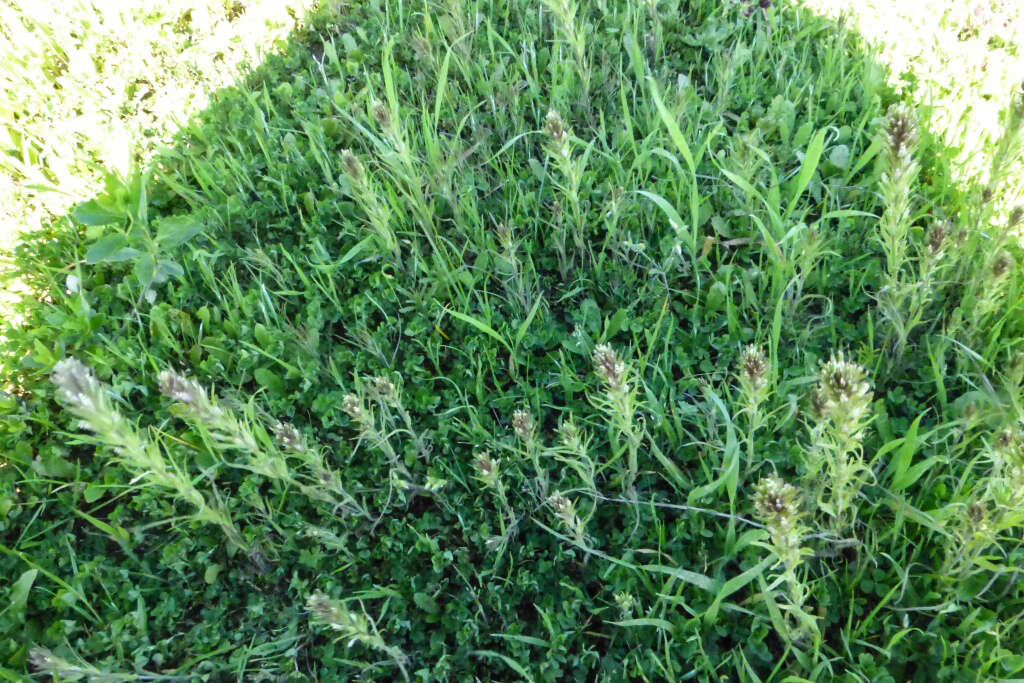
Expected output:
(486, 341)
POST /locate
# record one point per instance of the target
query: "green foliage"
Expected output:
(478, 325)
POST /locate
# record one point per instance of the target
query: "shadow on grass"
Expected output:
(241, 257)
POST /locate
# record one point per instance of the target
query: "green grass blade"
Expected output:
(810, 164)
(481, 326)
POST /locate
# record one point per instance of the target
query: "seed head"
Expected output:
(334, 615)
(1007, 441)
(352, 406)
(76, 383)
(776, 503)
(570, 436)
(843, 394)
(504, 234)
(753, 366)
(181, 389)
(901, 130)
(288, 437)
(555, 127)
(625, 602)
(610, 367)
(522, 424)
(383, 389)
(1002, 264)
(353, 167)
(976, 513)
(382, 114)
(562, 506)
(486, 467)
(43, 660)
(937, 236)
(1015, 216)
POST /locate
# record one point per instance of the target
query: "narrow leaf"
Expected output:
(480, 325)
(734, 584)
(807, 169)
(693, 578)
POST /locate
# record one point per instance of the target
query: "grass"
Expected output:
(477, 340)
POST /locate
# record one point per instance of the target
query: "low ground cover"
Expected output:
(489, 340)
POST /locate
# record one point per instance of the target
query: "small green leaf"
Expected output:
(165, 270)
(106, 249)
(20, 589)
(210, 575)
(96, 213)
(675, 221)
(268, 380)
(93, 492)
(117, 533)
(840, 156)
(177, 230)
(615, 323)
(145, 268)
(426, 603)
(511, 663)
(481, 326)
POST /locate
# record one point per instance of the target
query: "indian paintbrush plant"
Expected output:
(89, 401)
(352, 627)
(571, 168)
(777, 505)
(378, 215)
(903, 295)
(525, 429)
(754, 376)
(618, 401)
(840, 413)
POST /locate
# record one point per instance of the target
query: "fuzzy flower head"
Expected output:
(486, 467)
(181, 389)
(522, 424)
(626, 603)
(978, 520)
(352, 406)
(76, 384)
(1002, 264)
(505, 235)
(384, 390)
(776, 504)
(570, 436)
(353, 167)
(1015, 217)
(843, 394)
(382, 114)
(565, 510)
(610, 367)
(753, 368)
(42, 660)
(1007, 440)
(288, 437)
(937, 237)
(556, 128)
(335, 616)
(901, 131)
